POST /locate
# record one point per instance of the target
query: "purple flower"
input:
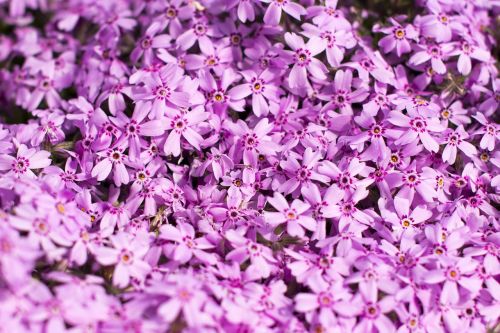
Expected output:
(293, 215)
(456, 139)
(273, 12)
(260, 87)
(398, 37)
(26, 160)
(127, 256)
(342, 95)
(303, 59)
(419, 127)
(187, 245)
(181, 125)
(261, 258)
(436, 53)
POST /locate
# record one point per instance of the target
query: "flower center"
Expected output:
(235, 39)
(171, 12)
(291, 215)
(199, 29)
(218, 97)
(20, 165)
(400, 33)
(146, 43)
(439, 251)
(184, 295)
(60, 208)
(325, 299)
(126, 257)
(443, 19)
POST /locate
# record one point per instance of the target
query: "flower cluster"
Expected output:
(249, 166)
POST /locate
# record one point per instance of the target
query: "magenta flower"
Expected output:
(127, 256)
(216, 91)
(273, 12)
(303, 59)
(181, 125)
(112, 160)
(18, 256)
(456, 139)
(336, 41)
(27, 159)
(465, 52)
(260, 87)
(160, 87)
(148, 43)
(436, 53)
(301, 175)
(419, 127)
(490, 132)
(256, 141)
(412, 181)
(455, 277)
(136, 128)
(184, 296)
(404, 222)
(293, 215)
(438, 24)
(261, 258)
(398, 37)
(342, 95)
(328, 300)
(187, 245)
(49, 130)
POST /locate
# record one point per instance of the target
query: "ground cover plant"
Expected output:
(249, 166)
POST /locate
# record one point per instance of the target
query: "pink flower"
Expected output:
(260, 87)
(328, 300)
(342, 96)
(184, 295)
(112, 160)
(465, 52)
(182, 124)
(412, 181)
(127, 255)
(303, 59)
(187, 245)
(404, 223)
(301, 175)
(490, 132)
(293, 215)
(457, 139)
(273, 12)
(419, 127)
(398, 38)
(135, 128)
(438, 24)
(435, 53)
(26, 160)
(261, 258)
(160, 87)
(149, 42)
(454, 275)
(254, 141)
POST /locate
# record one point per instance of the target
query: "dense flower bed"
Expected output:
(249, 166)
